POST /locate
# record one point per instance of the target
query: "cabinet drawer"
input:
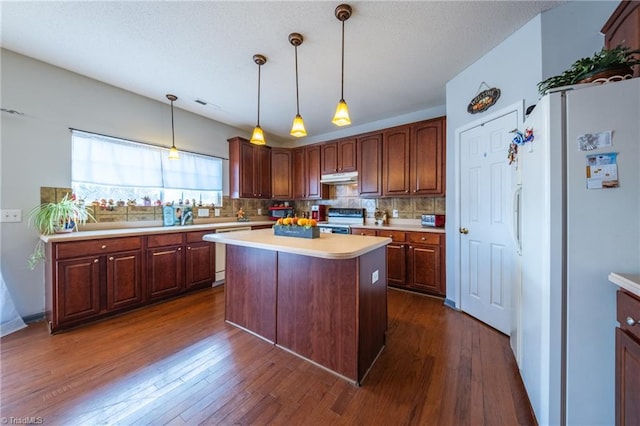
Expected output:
(96, 247)
(423, 238)
(629, 307)
(160, 240)
(196, 237)
(396, 236)
(363, 231)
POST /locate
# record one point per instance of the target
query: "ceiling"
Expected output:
(398, 55)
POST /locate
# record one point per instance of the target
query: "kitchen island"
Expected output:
(323, 299)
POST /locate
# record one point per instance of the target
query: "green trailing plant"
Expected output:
(606, 59)
(51, 218)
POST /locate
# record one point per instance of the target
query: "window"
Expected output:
(117, 169)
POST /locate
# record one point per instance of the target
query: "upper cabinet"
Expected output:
(414, 159)
(249, 169)
(339, 156)
(370, 165)
(306, 174)
(281, 167)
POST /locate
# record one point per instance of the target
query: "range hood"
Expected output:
(338, 178)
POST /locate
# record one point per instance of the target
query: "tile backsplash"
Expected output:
(340, 196)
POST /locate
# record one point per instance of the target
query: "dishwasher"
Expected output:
(221, 252)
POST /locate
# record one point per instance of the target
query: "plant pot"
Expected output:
(606, 75)
(297, 231)
(66, 228)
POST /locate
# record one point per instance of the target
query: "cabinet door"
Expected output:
(124, 280)
(370, 165)
(396, 265)
(330, 158)
(165, 274)
(427, 158)
(200, 264)
(78, 289)
(627, 379)
(424, 268)
(347, 157)
(247, 166)
(299, 174)
(281, 174)
(315, 190)
(262, 176)
(396, 149)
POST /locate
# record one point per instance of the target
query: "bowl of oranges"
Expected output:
(296, 227)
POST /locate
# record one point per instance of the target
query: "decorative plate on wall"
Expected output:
(483, 100)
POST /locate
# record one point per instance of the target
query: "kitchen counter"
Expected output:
(400, 227)
(629, 282)
(127, 232)
(327, 246)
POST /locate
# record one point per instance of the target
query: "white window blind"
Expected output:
(104, 160)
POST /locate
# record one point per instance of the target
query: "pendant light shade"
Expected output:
(341, 117)
(297, 129)
(257, 137)
(173, 152)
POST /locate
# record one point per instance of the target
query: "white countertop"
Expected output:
(129, 232)
(629, 282)
(401, 227)
(327, 246)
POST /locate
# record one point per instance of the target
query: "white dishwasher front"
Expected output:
(221, 252)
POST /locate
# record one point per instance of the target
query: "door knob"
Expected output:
(464, 231)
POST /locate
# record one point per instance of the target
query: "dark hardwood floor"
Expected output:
(179, 363)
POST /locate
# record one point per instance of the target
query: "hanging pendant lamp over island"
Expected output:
(257, 137)
(173, 152)
(297, 129)
(341, 117)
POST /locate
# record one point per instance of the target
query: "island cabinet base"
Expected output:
(328, 311)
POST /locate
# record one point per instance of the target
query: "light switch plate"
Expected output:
(11, 215)
(203, 212)
(394, 213)
(216, 212)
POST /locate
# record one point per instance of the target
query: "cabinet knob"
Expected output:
(104, 246)
(111, 258)
(631, 322)
(423, 238)
(95, 261)
(189, 248)
(179, 248)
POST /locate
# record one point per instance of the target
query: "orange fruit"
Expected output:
(312, 222)
(302, 222)
(279, 222)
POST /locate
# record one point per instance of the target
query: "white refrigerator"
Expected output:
(571, 238)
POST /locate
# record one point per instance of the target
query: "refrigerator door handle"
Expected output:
(515, 219)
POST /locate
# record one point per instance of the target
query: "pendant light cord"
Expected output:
(173, 136)
(297, 94)
(259, 66)
(342, 76)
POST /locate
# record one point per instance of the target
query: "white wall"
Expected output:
(36, 147)
(545, 46)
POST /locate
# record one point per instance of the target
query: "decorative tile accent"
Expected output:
(424, 205)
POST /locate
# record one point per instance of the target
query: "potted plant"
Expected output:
(618, 61)
(51, 218)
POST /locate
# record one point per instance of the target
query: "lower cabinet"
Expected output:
(415, 260)
(628, 360)
(91, 279)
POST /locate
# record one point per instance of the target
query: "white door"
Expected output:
(486, 243)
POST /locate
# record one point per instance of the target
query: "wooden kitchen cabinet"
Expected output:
(306, 174)
(425, 260)
(200, 270)
(339, 156)
(628, 359)
(249, 169)
(165, 273)
(281, 170)
(414, 159)
(370, 165)
(623, 28)
(90, 279)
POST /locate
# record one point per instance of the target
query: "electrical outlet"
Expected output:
(374, 277)
(259, 212)
(394, 213)
(216, 212)
(11, 215)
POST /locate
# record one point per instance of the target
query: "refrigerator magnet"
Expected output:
(602, 171)
(591, 141)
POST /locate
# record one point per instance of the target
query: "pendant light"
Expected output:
(257, 137)
(341, 117)
(173, 152)
(297, 129)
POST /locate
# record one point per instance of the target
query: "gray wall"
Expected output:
(545, 46)
(36, 148)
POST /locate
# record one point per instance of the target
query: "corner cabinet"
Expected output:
(414, 159)
(628, 359)
(91, 279)
(249, 169)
